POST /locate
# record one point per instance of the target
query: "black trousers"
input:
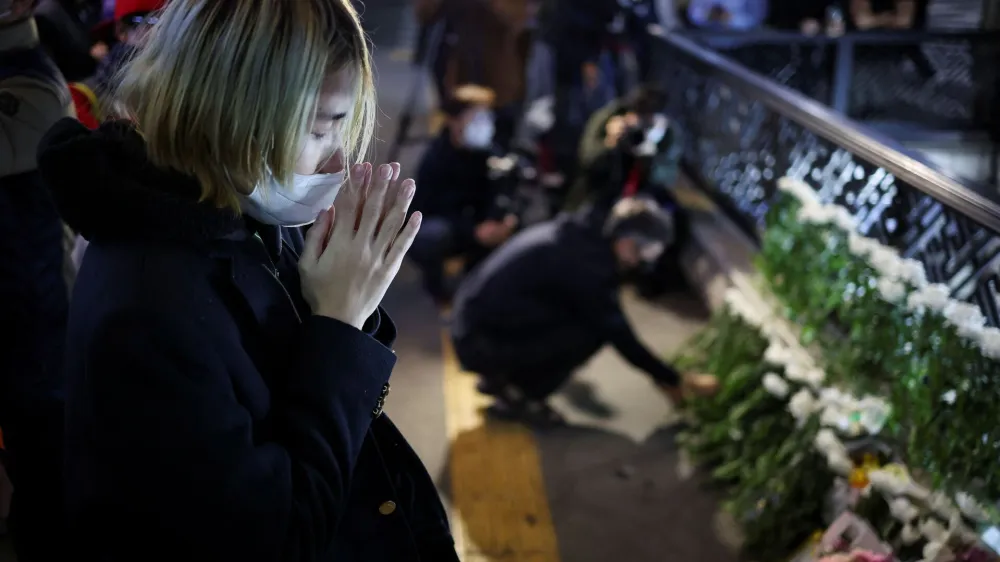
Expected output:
(537, 362)
(34, 305)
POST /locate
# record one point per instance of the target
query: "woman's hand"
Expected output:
(353, 251)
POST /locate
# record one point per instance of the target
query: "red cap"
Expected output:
(126, 7)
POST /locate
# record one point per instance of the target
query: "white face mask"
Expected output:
(479, 132)
(296, 205)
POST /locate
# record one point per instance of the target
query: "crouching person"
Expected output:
(545, 302)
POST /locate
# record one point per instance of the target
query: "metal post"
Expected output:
(843, 76)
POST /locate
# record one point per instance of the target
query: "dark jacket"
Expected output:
(209, 415)
(604, 171)
(65, 33)
(33, 96)
(557, 277)
(454, 184)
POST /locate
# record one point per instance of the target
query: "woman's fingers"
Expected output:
(349, 200)
(394, 217)
(402, 243)
(374, 200)
(391, 195)
(316, 237)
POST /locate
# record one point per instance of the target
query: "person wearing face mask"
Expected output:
(226, 373)
(539, 307)
(456, 195)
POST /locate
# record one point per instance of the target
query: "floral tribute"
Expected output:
(849, 382)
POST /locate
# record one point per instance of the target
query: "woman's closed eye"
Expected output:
(329, 122)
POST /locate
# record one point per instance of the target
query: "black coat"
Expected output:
(209, 415)
(544, 301)
(455, 185)
(65, 33)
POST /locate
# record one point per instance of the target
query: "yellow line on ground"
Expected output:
(500, 510)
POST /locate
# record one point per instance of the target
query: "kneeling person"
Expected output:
(456, 195)
(546, 301)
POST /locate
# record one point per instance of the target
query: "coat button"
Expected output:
(387, 508)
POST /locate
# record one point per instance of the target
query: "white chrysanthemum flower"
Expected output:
(775, 385)
(890, 290)
(942, 505)
(835, 397)
(970, 507)
(815, 214)
(731, 296)
(967, 318)
(777, 354)
(802, 405)
(918, 492)
(843, 219)
(798, 189)
(903, 510)
(860, 246)
(909, 535)
(839, 463)
(933, 531)
(796, 370)
(771, 328)
(989, 342)
(912, 272)
(815, 377)
(934, 297)
(886, 261)
(826, 441)
(888, 482)
(869, 402)
(834, 416)
(931, 551)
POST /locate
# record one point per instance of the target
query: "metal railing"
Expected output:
(743, 131)
(937, 80)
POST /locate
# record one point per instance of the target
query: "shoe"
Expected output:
(534, 413)
(491, 386)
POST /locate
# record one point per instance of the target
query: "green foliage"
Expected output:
(911, 357)
(774, 482)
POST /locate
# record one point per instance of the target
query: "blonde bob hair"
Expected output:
(225, 90)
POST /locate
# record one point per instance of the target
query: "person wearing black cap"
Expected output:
(546, 301)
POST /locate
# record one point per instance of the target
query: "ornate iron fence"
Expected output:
(743, 131)
(938, 80)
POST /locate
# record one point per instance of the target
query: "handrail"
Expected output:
(872, 37)
(977, 202)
